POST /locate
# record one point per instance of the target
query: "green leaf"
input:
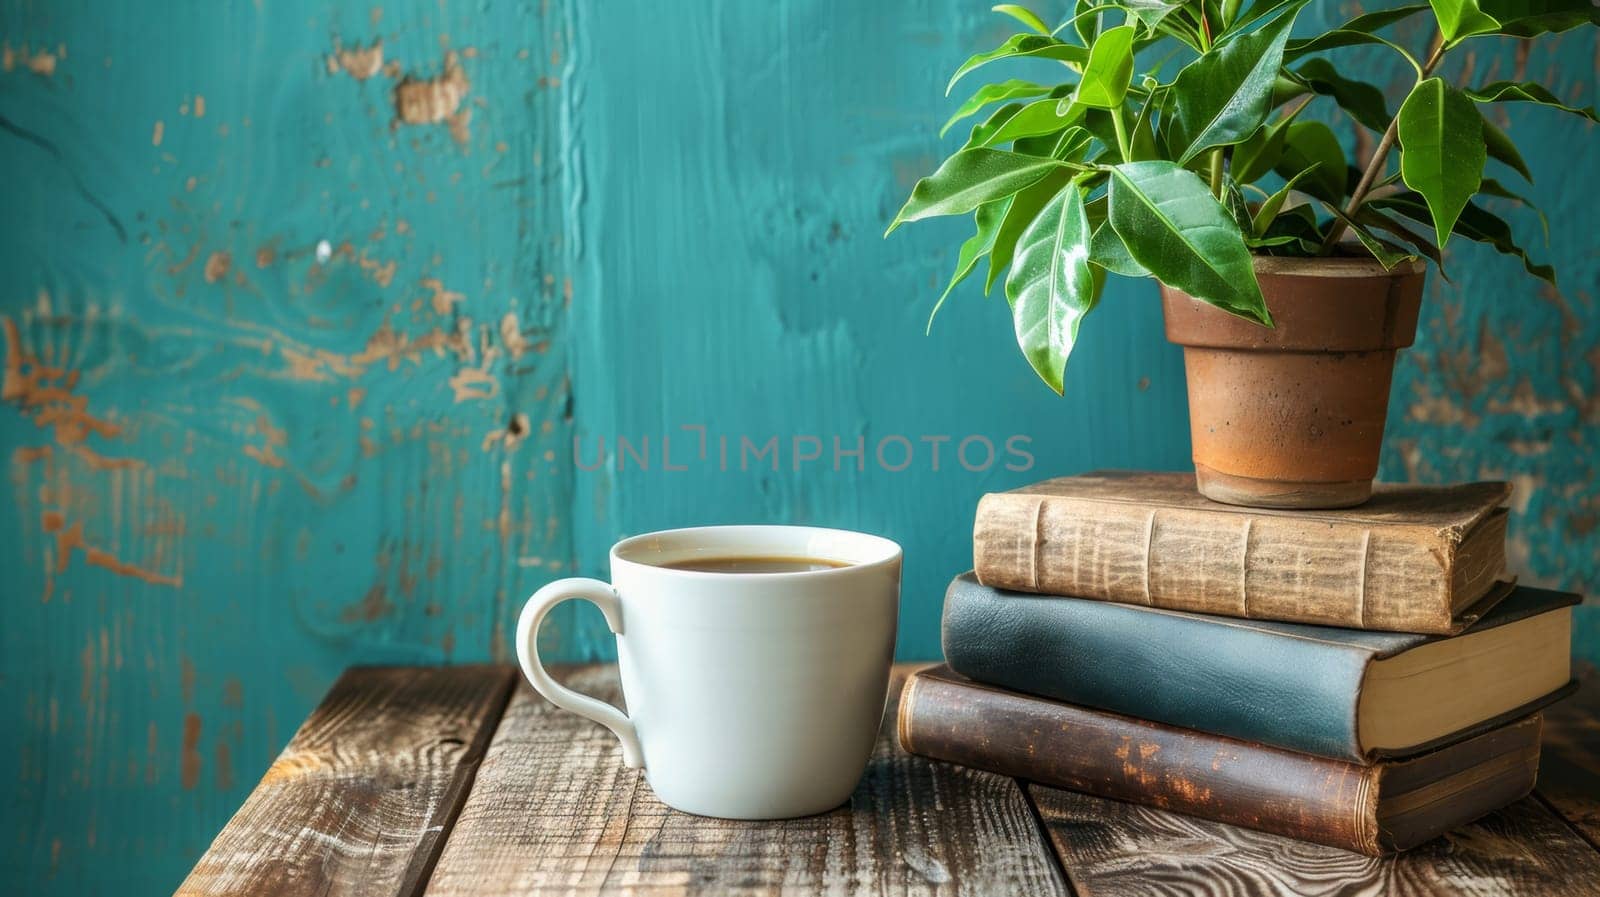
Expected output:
(1313, 145)
(1043, 145)
(1086, 20)
(1476, 223)
(969, 179)
(1024, 208)
(1525, 92)
(1359, 30)
(1482, 226)
(982, 131)
(1302, 247)
(1110, 68)
(988, 219)
(1096, 210)
(1387, 255)
(1098, 121)
(1234, 203)
(1285, 89)
(1174, 227)
(1142, 135)
(1223, 97)
(1013, 89)
(1492, 187)
(1072, 145)
(1503, 150)
(1032, 120)
(1530, 18)
(1033, 45)
(1297, 223)
(1050, 286)
(1442, 150)
(1373, 218)
(1107, 250)
(1258, 155)
(1024, 15)
(1150, 12)
(1461, 19)
(1257, 12)
(1272, 204)
(1364, 102)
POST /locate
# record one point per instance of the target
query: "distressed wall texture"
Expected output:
(331, 331)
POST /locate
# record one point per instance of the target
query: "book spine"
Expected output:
(1312, 799)
(1262, 566)
(1298, 694)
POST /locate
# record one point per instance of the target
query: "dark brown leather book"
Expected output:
(1412, 559)
(1368, 808)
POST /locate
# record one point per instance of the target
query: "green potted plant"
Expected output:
(1176, 146)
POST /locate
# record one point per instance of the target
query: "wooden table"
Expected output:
(462, 781)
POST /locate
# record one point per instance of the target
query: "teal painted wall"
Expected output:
(298, 338)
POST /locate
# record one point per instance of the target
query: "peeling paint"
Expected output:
(400, 371)
(303, 325)
(47, 394)
(471, 383)
(41, 62)
(358, 62)
(190, 761)
(510, 436)
(443, 300)
(217, 265)
(373, 606)
(69, 537)
(23, 455)
(387, 345)
(511, 335)
(459, 124)
(419, 101)
(224, 760)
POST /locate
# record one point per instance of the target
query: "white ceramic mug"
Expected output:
(749, 695)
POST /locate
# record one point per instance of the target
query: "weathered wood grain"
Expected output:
(361, 800)
(1114, 848)
(1569, 768)
(554, 811)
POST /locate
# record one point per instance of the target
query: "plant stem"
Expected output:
(1123, 144)
(1380, 155)
(1204, 33)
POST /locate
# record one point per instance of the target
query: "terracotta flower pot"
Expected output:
(1292, 416)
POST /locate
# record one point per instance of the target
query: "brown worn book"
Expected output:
(1412, 559)
(1371, 809)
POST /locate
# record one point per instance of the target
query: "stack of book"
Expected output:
(1365, 678)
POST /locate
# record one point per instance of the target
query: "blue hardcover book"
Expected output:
(1343, 693)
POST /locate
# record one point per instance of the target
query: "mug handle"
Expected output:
(604, 597)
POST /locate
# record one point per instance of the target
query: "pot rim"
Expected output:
(1344, 266)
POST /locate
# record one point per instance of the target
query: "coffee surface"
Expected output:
(755, 564)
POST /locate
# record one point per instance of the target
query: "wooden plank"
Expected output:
(1569, 765)
(1114, 848)
(359, 801)
(554, 811)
